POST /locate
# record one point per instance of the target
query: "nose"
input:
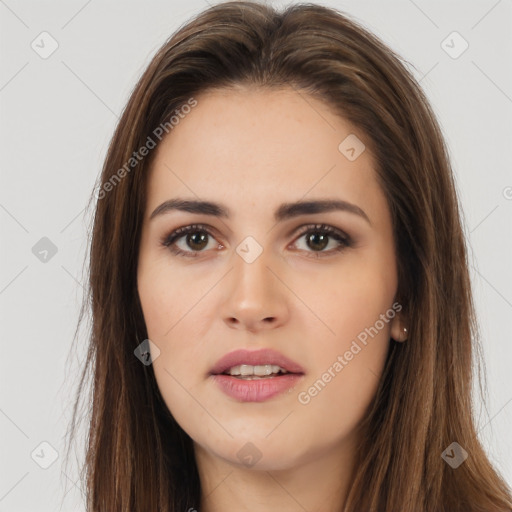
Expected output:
(256, 299)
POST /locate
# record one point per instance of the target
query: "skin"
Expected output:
(253, 150)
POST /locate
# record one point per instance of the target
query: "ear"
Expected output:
(399, 331)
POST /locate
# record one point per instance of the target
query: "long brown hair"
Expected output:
(137, 457)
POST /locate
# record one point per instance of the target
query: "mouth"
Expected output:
(256, 376)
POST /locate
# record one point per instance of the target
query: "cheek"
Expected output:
(175, 317)
(347, 363)
(346, 371)
(169, 296)
(345, 300)
(336, 402)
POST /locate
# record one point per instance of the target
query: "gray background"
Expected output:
(57, 116)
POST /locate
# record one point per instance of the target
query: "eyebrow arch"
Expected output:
(284, 212)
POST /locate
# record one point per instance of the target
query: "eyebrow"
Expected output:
(284, 212)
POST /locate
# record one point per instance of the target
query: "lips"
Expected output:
(255, 358)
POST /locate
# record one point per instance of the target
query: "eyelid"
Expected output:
(170, 238)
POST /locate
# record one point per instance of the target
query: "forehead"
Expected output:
(251, 146)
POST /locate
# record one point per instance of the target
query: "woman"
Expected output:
(234, 368)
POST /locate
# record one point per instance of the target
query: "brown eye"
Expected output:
(319, 236)
(317, 241)
(197, 240)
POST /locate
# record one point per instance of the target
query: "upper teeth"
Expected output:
(247, 369)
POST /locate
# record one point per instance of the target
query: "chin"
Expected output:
(256, 453)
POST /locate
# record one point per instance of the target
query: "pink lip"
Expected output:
(256, 390)
(255, 357)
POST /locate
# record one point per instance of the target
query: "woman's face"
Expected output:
(264, 277)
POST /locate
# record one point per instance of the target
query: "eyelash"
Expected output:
(170, 240)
